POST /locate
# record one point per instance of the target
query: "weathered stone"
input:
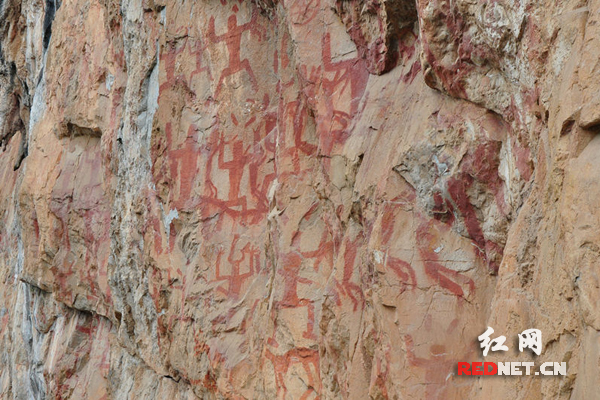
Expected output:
(307, 199)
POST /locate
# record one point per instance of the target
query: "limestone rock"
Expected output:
(295, 199)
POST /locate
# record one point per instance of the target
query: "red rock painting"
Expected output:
(233, 41)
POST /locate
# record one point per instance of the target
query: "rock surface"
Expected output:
(296, 199)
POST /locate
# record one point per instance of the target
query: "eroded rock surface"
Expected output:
(296, 199)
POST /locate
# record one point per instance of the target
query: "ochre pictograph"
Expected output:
(241, 268)
(344, 82)
(307, 358)
(233, 42)
(249, 181)
(427, 236)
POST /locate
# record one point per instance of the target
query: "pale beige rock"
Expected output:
(295, 199)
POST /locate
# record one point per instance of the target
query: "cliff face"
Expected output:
(296, 199)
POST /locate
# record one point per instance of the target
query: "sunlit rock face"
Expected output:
(296, 199)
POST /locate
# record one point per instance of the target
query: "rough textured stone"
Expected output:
(295, 199)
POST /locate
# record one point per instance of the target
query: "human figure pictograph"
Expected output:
(233, 41)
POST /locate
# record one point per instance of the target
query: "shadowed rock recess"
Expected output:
(297, 199)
